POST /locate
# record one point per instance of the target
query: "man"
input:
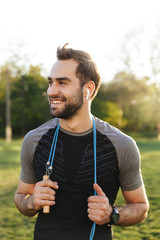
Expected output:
(77, 146)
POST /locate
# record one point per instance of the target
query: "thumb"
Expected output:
(98, 189)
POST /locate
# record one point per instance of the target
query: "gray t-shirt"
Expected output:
(118, 165)
(125, 147)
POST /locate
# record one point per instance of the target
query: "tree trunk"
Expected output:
(8, 110)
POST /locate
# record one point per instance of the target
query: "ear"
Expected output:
(88, 90)
(88, 93)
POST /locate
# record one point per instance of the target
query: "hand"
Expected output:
(99, 209)
(43, 194)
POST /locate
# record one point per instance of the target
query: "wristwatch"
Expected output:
(114, 216)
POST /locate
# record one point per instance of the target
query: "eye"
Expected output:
(62, 83)
(49, 82)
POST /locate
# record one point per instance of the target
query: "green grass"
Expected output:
(15, 226)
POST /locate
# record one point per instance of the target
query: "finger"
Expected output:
(92, 211)
(91, 217)
(98, 212)
(96, 219)
(97, 206)
(47, 197)
(98, 189)
(97, 199)
(48, 183)
(46, 190)
(92, 205)
(45, 202)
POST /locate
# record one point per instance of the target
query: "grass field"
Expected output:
(17, 227)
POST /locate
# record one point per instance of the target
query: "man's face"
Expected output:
(64, 92)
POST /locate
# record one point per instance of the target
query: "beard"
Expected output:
(71, 107)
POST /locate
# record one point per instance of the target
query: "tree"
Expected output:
(8, 109)
(5, 80)
(128, 97)
(109, 111)
(29, 104)
(29, 101)
(134, 54)
(155, 109)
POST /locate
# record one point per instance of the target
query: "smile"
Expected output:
(56, 102)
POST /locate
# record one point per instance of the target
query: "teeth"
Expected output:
(56, 102)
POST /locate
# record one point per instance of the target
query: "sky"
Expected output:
(35, 28)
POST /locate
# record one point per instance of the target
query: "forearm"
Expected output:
(133, 213)
(25, 204)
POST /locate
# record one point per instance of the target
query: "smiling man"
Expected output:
(67, 97)
(87, 161)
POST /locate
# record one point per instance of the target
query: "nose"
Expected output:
(53, 90)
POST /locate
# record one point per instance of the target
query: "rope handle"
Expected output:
(46, 209)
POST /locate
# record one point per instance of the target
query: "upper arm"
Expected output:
(130, 166)
(136, 196)
(27, 153)
(25, 188)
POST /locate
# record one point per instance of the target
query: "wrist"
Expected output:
(114, 217)
(30, 203)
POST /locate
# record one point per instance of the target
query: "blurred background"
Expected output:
(123, 37)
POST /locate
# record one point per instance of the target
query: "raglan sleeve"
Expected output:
(27, 152)
(130, 166)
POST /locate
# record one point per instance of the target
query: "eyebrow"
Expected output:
(61, 78)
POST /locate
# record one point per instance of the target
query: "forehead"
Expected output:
(64, 68)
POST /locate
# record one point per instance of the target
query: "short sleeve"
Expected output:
(130, 163)
(27, 152)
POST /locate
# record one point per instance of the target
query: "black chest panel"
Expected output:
(73, 169)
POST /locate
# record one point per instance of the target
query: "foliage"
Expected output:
(110, 112)
(126, 102)
(13, 225)
(4, 74)
(29, 101)
(29, 104)
(155, 110)
(136, 102)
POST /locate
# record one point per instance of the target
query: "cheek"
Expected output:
(48, 90)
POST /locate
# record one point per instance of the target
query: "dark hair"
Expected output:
(86, 70)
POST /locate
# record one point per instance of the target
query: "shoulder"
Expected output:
(127, 153)
(36, 133)
(32, 138)
(124, 145)
(114, 134)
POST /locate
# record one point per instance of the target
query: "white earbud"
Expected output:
(88, 92)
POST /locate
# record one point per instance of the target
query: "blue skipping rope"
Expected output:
(49, 164)
(95, 174)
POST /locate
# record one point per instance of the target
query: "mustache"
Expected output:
(59, 97)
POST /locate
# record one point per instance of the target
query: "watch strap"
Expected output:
(114, 216)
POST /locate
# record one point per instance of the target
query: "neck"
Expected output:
(78, 123)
